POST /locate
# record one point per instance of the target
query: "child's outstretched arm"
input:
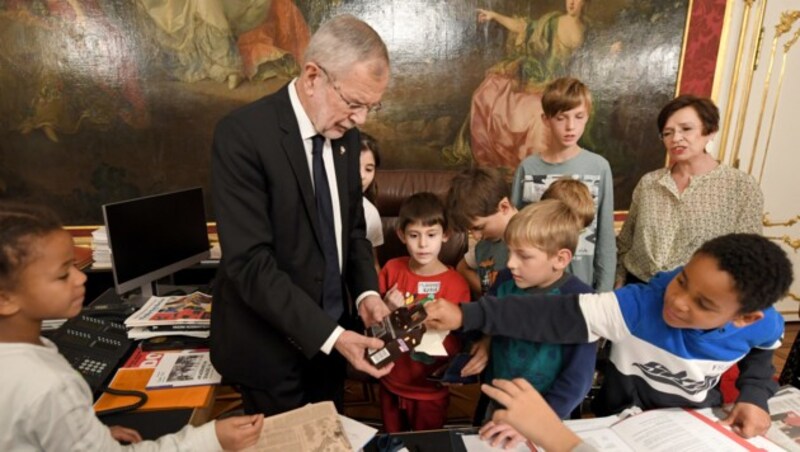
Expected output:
(442, 315)
(557, 319)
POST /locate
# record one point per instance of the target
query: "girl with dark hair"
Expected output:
(370, 161)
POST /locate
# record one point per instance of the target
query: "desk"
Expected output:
(165, 417)
(155, 423)
(428, 441)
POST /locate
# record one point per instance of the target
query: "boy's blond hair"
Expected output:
(564, 94)
(548, 225)
(574, 194)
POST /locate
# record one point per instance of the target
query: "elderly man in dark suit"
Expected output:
(287, 196)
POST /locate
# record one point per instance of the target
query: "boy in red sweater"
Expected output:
(409, 401)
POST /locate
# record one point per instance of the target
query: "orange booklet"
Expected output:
(158, 399)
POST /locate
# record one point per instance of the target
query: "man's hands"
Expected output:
(372, 310)
(480, 357)
(747, 420)
(238, 432)
(530, 415)
(353, 347)
(443, 315)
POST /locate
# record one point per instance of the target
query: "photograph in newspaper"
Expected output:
(194, 308)
(190, 368)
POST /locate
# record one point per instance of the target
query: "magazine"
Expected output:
(141, 359)
(192, 309)
(666, 430)
(135, 379)
(187, 368)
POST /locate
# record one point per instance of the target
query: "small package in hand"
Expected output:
(400, 332)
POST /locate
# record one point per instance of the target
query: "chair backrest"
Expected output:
(394, 186)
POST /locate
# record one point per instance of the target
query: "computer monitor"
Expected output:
(155, 236)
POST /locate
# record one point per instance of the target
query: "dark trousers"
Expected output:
(318, 379)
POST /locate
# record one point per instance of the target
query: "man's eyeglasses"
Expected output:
(355, 107)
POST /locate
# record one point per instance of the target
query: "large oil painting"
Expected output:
(104, 100)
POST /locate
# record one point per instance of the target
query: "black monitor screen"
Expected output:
(155, 236)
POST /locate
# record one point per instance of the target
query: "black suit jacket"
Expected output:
(267, 315)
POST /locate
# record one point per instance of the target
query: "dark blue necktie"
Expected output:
(332, 301)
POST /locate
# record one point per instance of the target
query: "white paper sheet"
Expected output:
(357, 433)
(432, 343)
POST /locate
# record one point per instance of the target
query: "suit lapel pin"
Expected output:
(342, 150)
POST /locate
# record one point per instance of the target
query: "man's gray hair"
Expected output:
(343, 41)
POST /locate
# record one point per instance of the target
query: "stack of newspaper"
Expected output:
(101, 253)
(316, 426)
(182, 315)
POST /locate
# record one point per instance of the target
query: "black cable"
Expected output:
(123, 409)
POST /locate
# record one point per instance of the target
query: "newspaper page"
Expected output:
(189, 368)
(665, 430)
(357, 433)
(314, 427)
(784, 408)
(194, 308)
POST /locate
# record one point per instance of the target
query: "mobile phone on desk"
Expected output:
(450, 373)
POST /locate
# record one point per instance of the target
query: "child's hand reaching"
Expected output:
(747, 420)
(238, 432)
(501, 435)
(124, 434)
(479, 359)
(443, 315)
(529, 414)
(394, 298)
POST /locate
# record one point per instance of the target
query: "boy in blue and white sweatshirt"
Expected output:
(673, 337)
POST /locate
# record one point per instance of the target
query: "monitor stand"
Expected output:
(140, 296)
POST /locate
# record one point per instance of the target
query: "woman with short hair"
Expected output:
(695, 198)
